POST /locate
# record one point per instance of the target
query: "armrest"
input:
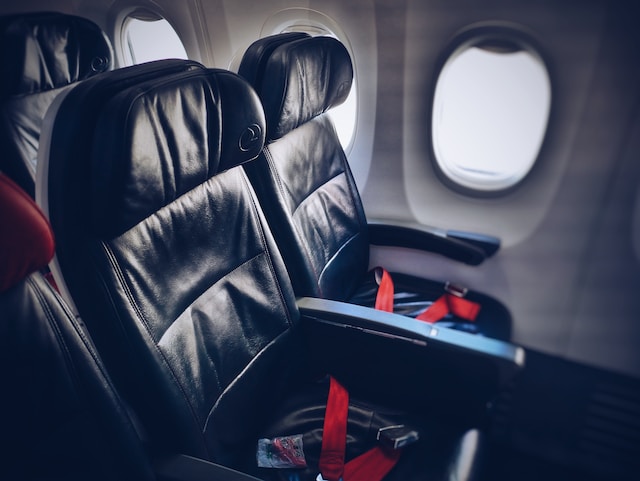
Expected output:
(457, 351)
(181, 467)
(468, 247)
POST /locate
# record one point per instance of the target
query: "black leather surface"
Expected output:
(306, 188)
(190, 303)
(310, 198)
(187, 277)
(301, 80)
(254, 59)
(157, 164)
(61, 417)
(41, 54)
(20, 124)
(44, 51)
(302, 178)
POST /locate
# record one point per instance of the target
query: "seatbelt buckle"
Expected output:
(455, 289)
(398, 436)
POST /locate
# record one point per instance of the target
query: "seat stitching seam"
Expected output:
(112, 259)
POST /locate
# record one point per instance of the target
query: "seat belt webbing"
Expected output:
(334, 432)
(445, 304)
(449, 303)
(373, 465)
(384, 296)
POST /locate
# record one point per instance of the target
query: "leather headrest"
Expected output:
(173, 134)
(256, 56)
(26, 240)
(302, 79)
(44, 51)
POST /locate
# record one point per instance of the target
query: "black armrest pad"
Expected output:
(441, 344)
(489, 244)
(467, 247)
(186, 468)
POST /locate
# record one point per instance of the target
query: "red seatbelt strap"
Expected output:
(373, 465)
(384, 296)
(370, 466)
(334, 433)
(450, 303)
(445, 304)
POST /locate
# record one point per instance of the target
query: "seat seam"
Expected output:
(306, 251)
(86, 343)
(265, 246)
(112, 259)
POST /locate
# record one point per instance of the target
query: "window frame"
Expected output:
(139, 13)
(466, 38)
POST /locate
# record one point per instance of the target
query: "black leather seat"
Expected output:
(61, 417)
(309, 195)
(168, 257)
(41, 54)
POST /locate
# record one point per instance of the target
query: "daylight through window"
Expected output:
(146, 40)
(490, 114)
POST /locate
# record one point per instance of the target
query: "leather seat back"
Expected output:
(165, 252)
(173, 266)
(41, 54)
(257, 55)
(61, 417)
(302, 178)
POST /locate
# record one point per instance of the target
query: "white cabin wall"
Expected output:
(558, 262)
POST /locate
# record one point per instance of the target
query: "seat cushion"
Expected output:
(440, 452)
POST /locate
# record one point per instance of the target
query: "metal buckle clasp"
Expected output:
(398, 436)
(455, 289)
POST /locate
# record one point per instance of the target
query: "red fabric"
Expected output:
(445, 304)
(384, 296)
(334, 434)
(435, 311)
(463, 308)
(370, 466)
(448, 303)
(373, 465)
(26, 239)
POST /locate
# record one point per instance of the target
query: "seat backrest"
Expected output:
(163, 247)
(41, 54)
(61, 417)
(258, 53)
(302, 179)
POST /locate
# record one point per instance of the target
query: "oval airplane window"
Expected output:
(490, 113)
(147, 36)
